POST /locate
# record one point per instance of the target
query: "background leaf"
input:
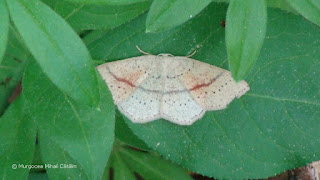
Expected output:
(38, 176)
(37, 158)
(4, 28)
(108, 2)
(282, 4)
(309, 9)
(245, 31)
(57, 48)
(124, 134)
(274, 127)
(121, 170)
(150, 166)
(17, 131)
(161, 13)
(129, 163)
(53, 153)
(70, 132)
(12, 67)
(93, 16)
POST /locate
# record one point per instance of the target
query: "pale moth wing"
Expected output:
(178, 89)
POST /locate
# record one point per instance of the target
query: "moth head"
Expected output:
(165, 55)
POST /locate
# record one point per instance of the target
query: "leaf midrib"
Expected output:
(82, 130)
(282, 99)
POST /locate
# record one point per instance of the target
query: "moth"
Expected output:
(178, 89)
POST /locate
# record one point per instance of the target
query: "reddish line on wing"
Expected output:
(198, 86)
(122, 80)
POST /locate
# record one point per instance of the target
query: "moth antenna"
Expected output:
(194, 52)
(142, 51)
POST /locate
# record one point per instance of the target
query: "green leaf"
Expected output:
(127, 161)
(221, 1)
(120, 169)
(4, 28)
(124, 134)
(108, 2)
(272, 128)
(70, 132)
(57, 48)
(17, 137)
(245, 31)
(37, 158)
(84, 17)
(53, 154)
(166, 14)
(12, 67)
(282, 4)
(38, 176)
(106, 173)
(310, 9)
(151, 167)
